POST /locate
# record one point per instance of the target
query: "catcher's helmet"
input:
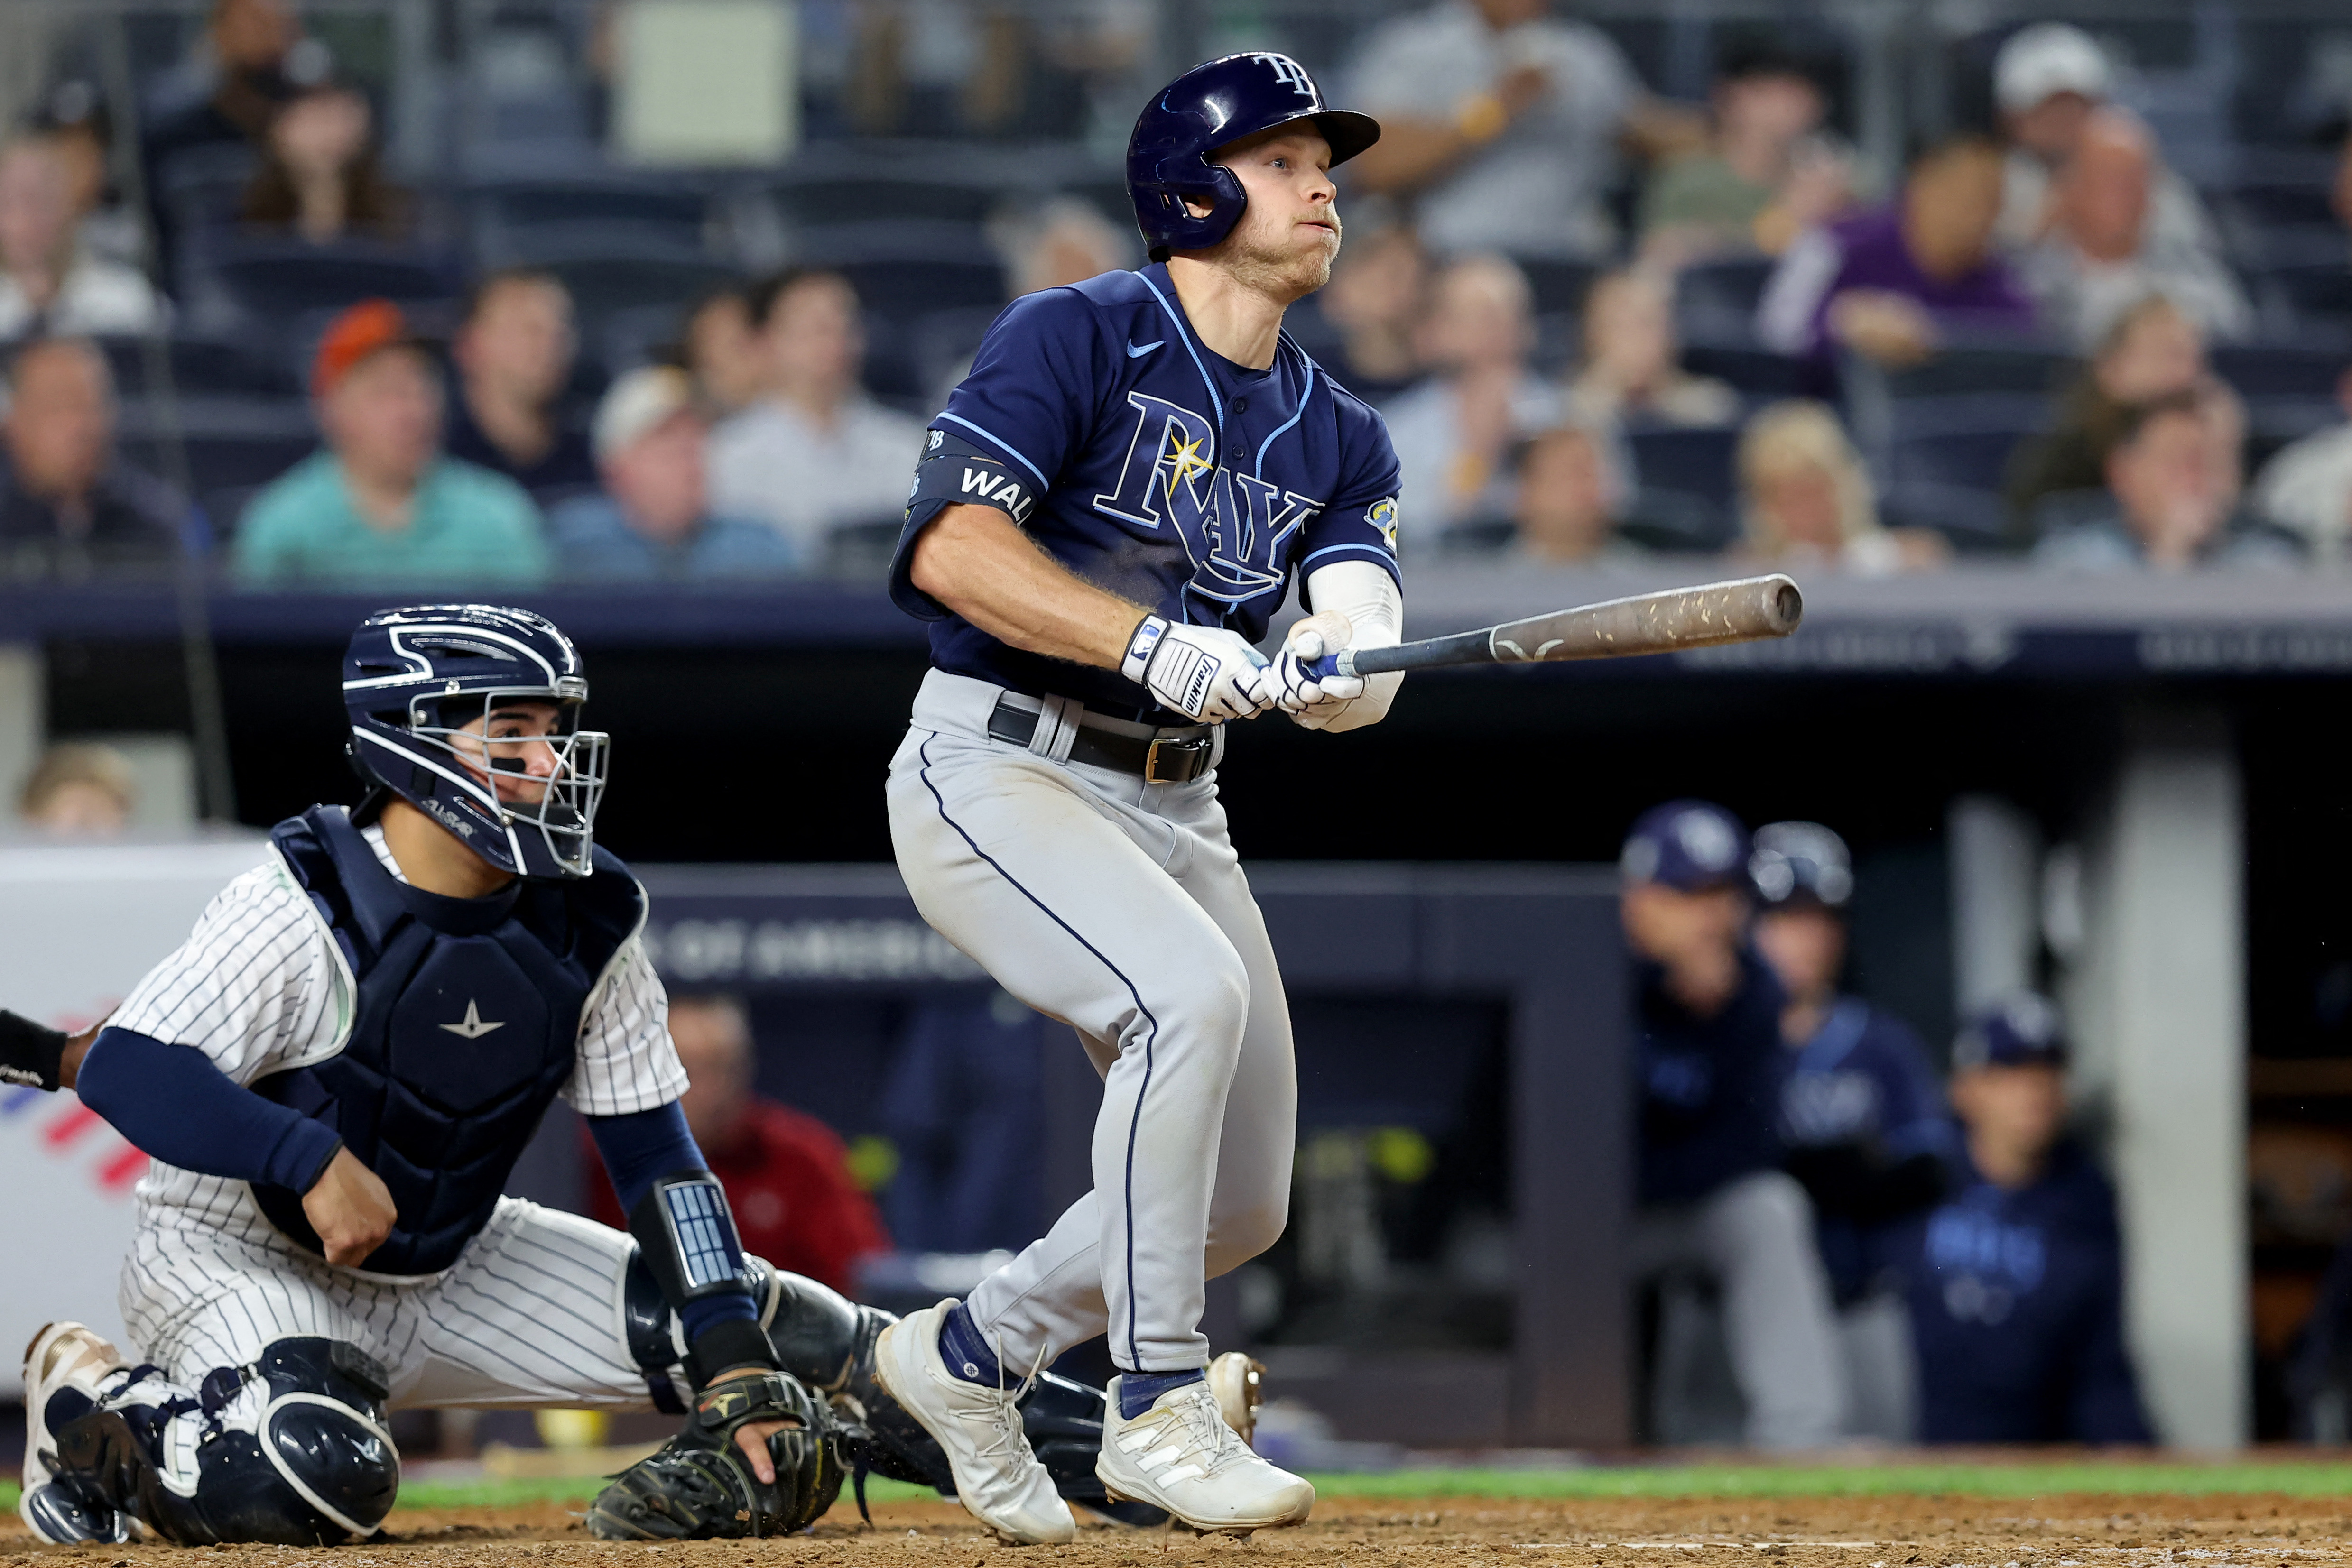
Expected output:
(414, 678)
(1212, 106)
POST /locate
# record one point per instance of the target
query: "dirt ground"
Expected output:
(2055, 1531)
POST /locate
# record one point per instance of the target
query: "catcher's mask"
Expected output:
(471, 714)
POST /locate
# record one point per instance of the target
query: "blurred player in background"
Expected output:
(1713, 1195)
(1861, 1114)
(2017, 1287)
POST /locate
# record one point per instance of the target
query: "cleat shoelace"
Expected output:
(1194, 1427)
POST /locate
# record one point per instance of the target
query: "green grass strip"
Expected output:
(2025, 1480)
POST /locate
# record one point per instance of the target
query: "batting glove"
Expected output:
(1313, 703)
(1204, 673)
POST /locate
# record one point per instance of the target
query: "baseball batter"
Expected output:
(334, 1076)
(1104, 517)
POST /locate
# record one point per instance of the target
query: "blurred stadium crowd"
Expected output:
(2100, 321)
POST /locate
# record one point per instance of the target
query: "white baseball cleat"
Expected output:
(997, 1476)
(1239, 1383)
(1182, 1455)
(65, 1368)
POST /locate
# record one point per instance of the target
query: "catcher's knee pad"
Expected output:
(291, 1451)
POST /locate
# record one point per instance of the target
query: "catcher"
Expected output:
(334, 1076)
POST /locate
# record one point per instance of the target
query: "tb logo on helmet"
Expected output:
(1289, 73)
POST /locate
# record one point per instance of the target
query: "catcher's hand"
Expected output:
(700, 1486)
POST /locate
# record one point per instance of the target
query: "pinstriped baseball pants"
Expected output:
(530, 1315)
(1121, 908)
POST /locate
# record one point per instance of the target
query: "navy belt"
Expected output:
(1162, 760)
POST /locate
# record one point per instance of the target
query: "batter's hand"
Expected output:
(1209, 674)
(350, 1208)
(1311, 703)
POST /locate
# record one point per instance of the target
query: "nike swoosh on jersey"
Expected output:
(1137, 351)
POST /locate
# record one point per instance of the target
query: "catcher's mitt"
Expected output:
(699, 1487)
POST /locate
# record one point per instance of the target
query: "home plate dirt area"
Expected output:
(2055, 1530)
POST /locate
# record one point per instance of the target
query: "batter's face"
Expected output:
(1289, 232)
(507, 749)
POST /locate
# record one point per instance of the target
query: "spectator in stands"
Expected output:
(1066, 241)
(69, 506)
(653, 520)
(319, 176)
(1862, 1116)
(1453, 430)
(1572, 491)
(1502, 124)
(2167, 503)
(1630, 369)
(1765, 176)
(2306, 487)
(2103, 252)
(241, 82)
(382, 504)
(80, 791)
(2016, 1287)
(1805, 496)
(815, 454)
(1711, 1190)
(721, 351)
(2048, 81)
(76, 122)
(2152, 351)
(1374, 301)
(49, 284)
(1894, 284)
(785, 1173)
(513, 353)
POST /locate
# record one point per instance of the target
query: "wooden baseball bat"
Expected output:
(1745, 610)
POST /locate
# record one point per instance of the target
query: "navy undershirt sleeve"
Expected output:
(645, 1145)
(175, 1106)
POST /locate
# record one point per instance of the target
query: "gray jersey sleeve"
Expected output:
(252, 987)
(627, 1061)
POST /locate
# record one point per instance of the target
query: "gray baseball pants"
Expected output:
(1121, 908)
(1754, 1237)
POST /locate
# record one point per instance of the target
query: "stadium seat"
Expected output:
(1756, 373)
(230, 443)
(2025, 367)
(2305, 294)
(197, 366)
(1686, 461)
(1976, 521)
(266, 280)
(2261, 370)
(609, 271)
(502, 212)
(1558, 286)
(911, 268)
(1718, 298)
(1677, 522)
(1961, 442)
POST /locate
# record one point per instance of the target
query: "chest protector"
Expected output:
(465, 1023)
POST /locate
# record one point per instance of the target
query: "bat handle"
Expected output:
(1342, 662)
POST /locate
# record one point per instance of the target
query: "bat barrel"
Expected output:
(1745, 610)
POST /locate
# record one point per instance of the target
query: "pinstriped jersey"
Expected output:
(1157, 469)
(258, 988)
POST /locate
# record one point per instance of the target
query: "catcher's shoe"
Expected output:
(997, 1476)
(1239, 1383)
(67, 1369)
(1180, 1454)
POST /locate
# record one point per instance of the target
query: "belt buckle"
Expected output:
(1186, 753)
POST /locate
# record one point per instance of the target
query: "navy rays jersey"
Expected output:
(1151, 468)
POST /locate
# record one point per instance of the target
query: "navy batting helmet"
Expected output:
(424, 685)
(1212, 106)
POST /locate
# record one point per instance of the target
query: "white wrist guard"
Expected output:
(1141, 646)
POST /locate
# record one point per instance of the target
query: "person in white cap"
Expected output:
(2047, 80)
(652, 519)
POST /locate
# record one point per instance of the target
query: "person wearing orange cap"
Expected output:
(381, 503)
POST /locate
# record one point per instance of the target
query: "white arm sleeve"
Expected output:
(627, 1061)
(1374, 606)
